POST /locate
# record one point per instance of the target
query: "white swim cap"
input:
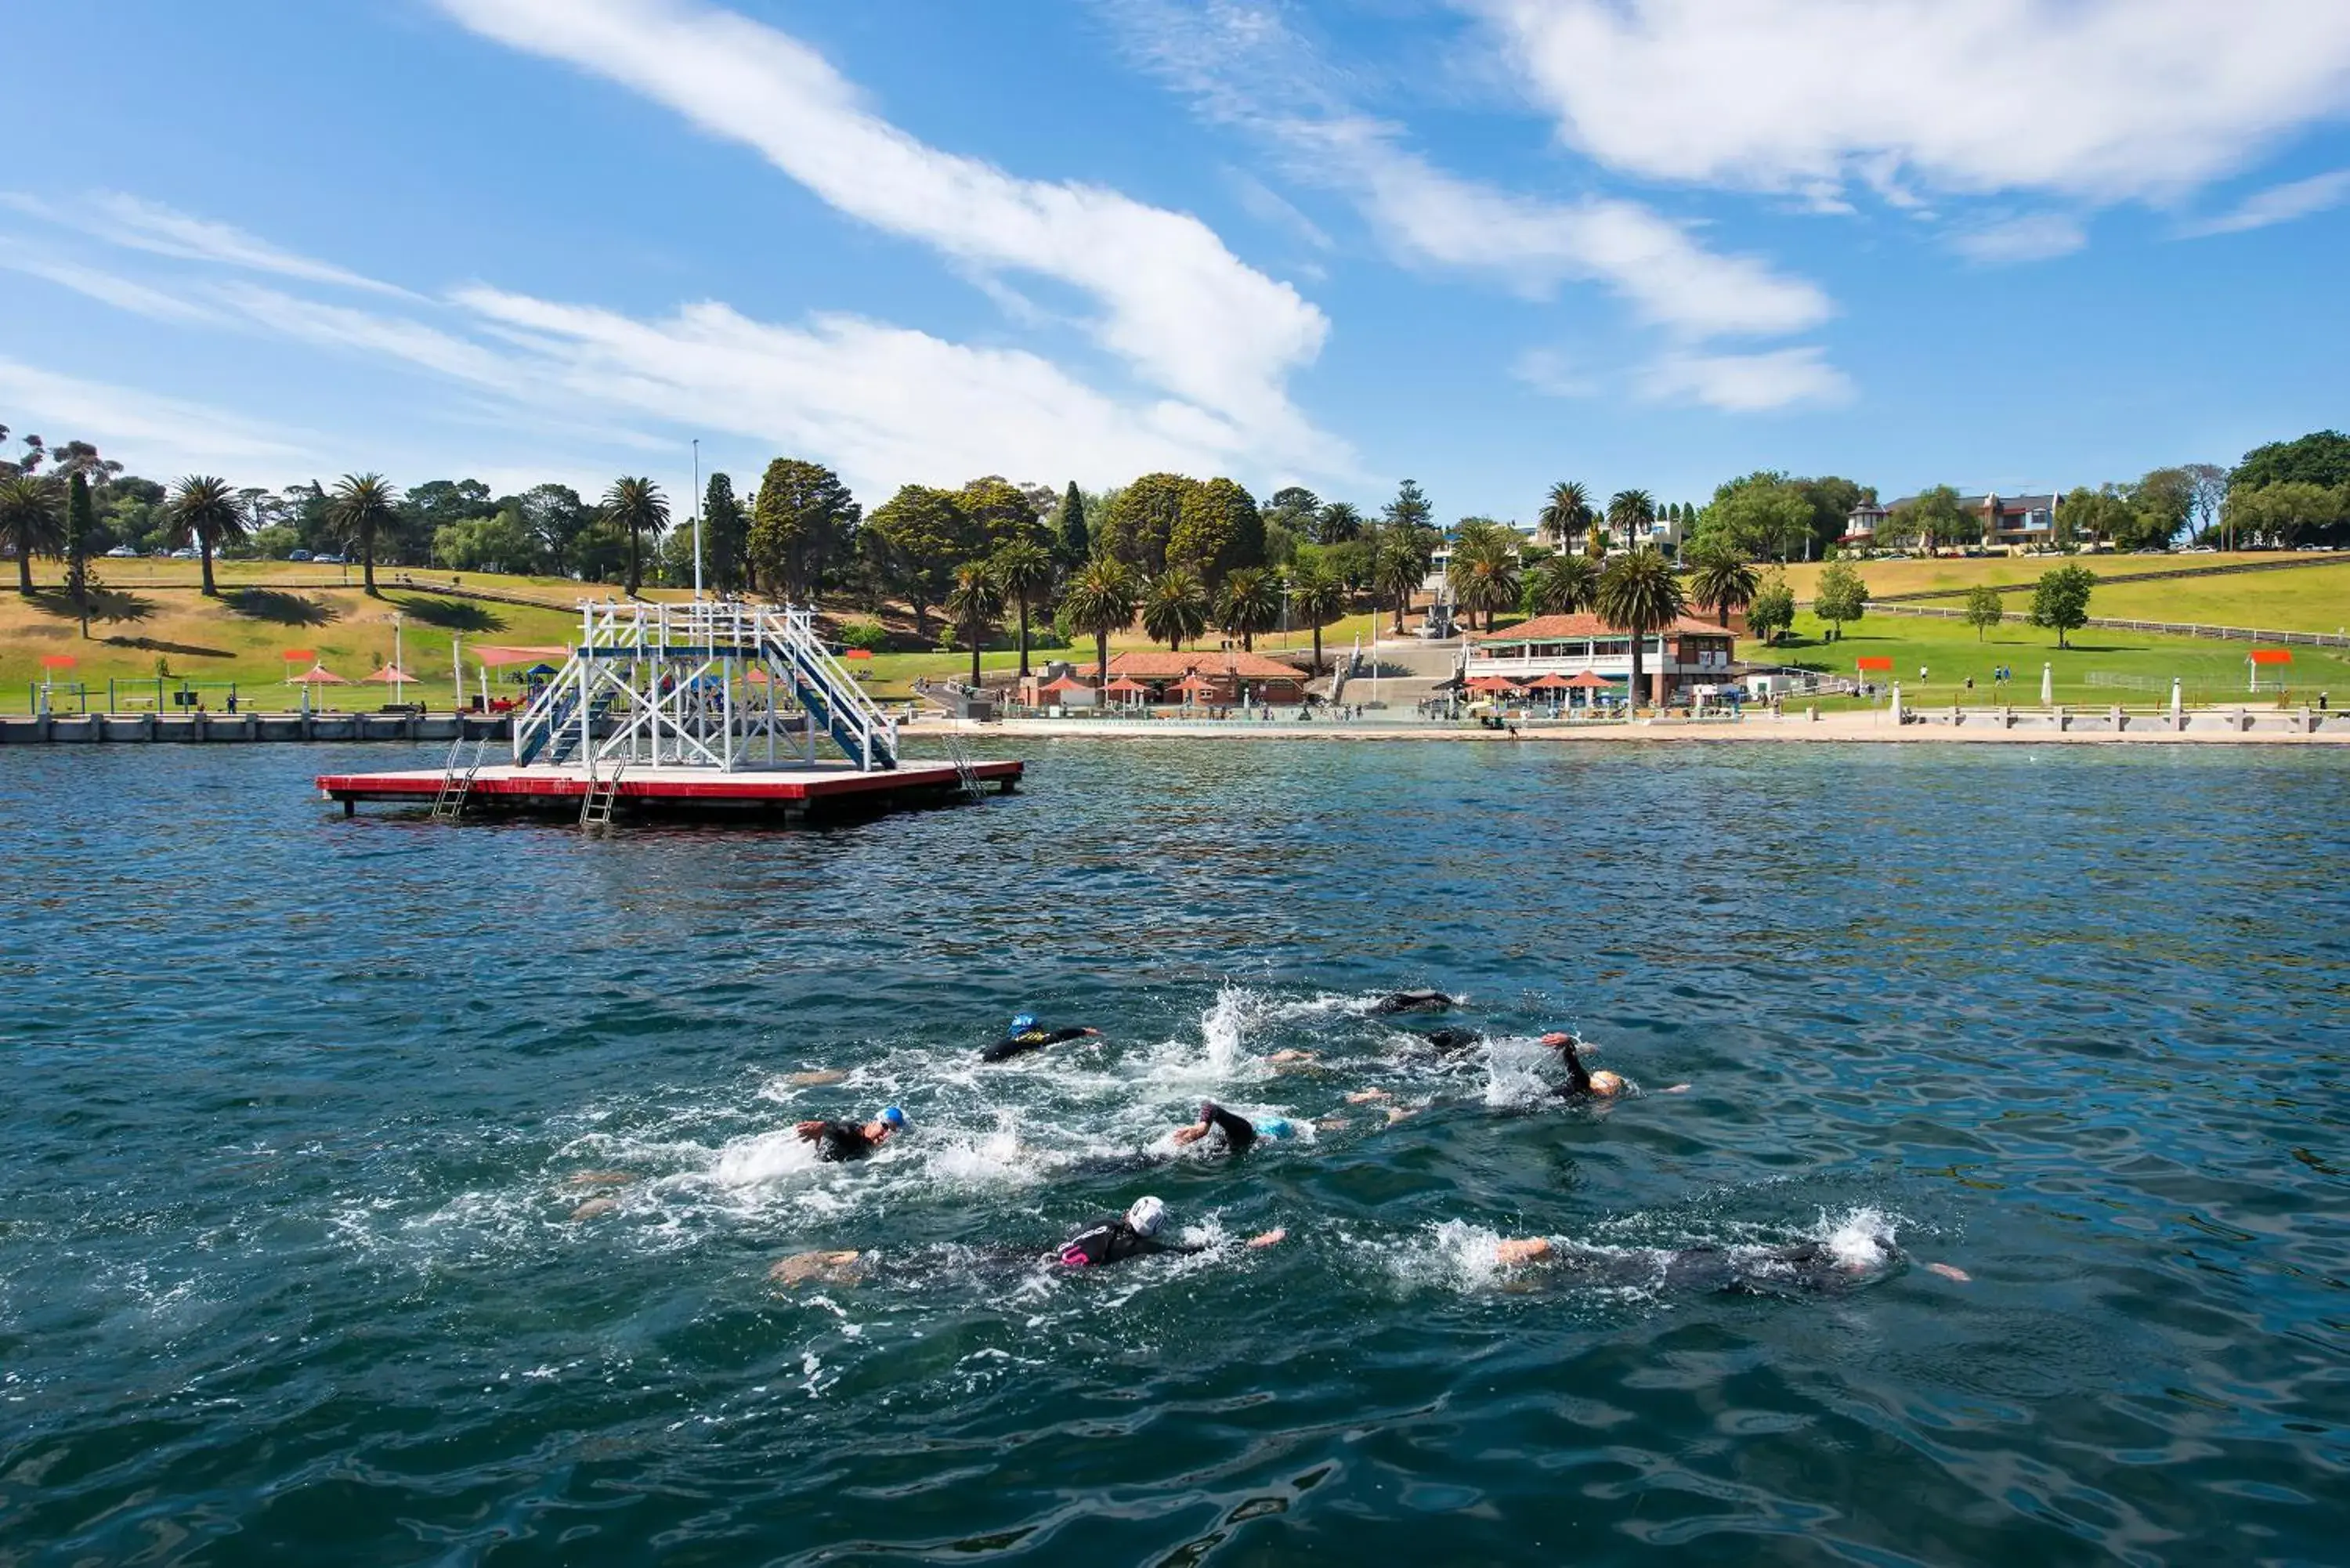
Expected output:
(1146, 1217)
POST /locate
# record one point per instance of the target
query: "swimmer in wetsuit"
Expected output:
(849, 1140)
(1582, 1083)
(1452, 1042)
(1025, 1035)
(1411, 1001)
(1800, 1266)
(1238, 1130)
(1135, 1234)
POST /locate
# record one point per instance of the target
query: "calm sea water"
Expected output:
(288, 1270)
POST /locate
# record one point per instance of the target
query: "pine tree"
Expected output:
(1074, 545)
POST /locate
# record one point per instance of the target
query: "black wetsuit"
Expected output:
(1411, 1001)
(1112, 1242)
(1743, 1271)
(1239, 1131)
(1578, 1076)
(842, 1140)
(1452, 1042)
(1012, 1045)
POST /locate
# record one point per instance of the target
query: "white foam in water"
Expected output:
(763, 1157)
(1861, 1240)
(1454, 1255)
(1513, 1074)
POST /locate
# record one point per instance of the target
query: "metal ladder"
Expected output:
(455, 785)
(603, 795)
(971, 785)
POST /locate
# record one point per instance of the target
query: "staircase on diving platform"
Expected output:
(700, 685)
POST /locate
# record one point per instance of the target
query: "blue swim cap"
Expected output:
(1024, 1021)
(893, 1116)
(1275, 1126)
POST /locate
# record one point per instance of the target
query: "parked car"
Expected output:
(122, 552)
(298, 555)
(327, 560)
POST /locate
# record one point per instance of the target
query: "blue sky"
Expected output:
(1486, 244)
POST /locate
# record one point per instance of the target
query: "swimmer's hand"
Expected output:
(1950, 1271)
(809, 1131)
(1676, 1089)
(1365, 1097)
(1271, 1237)
(1285, 1058)
(1191, 1134)
(1526, 1249)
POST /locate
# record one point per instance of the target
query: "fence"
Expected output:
(2166, 628)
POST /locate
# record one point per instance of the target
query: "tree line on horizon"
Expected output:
(1178, 552)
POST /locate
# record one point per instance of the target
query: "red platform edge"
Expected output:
(718, 786)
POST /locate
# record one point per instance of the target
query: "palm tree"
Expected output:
(1021, 568)
(1629, 513)
(1566, 513)
(1175, 610)
(975, 607)
(1319, 596)
(1398, 570)
(1484, 572)
(638, 507)
(1638, 594)
(206, 513)
(1564, 584)
(363, 505)
(1249, 603)
(32, 521)
(1337, 522)
(1100, 599)
(1723, 582)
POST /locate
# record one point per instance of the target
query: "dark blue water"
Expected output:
(289, 1271)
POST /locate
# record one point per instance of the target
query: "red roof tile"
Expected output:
(1569, 627)
(1161, 666)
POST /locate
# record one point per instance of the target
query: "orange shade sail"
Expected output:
(2260, 656)
(1874, 661)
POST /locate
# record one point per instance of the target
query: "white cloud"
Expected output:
(2038, 237)
(1178, 306)
(1244, 67)
(138, 224)
(2279, 204)
(885, 404)
(122, 293)
(153, 433)
(2099, 99)
(1746, 383)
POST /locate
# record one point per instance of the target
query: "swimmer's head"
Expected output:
(894, 1119)
(1606, 1084)
(1023, 1021)
(1146, 1217)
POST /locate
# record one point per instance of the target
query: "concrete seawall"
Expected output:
(206, 729)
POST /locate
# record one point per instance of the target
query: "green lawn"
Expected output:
(2214, 671)
(2313, 598)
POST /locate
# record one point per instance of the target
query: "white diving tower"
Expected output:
(706, 684)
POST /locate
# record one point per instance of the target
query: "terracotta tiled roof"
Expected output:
(1569, 627)
(1159, 666)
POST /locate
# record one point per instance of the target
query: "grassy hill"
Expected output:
(2309, 597)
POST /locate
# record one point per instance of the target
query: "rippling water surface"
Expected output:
(289, 1271)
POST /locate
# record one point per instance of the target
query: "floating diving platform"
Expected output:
(706, 709)
(785, 795)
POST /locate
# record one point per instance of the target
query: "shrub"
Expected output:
(871, 636)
